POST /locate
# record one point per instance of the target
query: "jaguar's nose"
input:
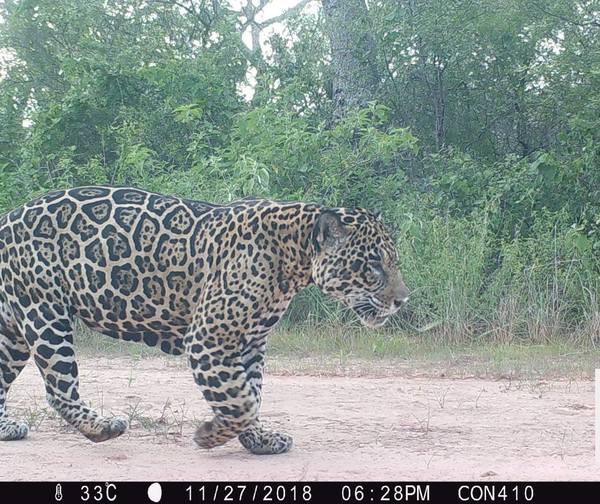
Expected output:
(398, 302)
(401, 295)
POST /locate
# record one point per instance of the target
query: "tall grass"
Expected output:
(467, 286)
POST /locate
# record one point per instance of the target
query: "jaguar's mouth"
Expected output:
(369, 315)
(374, 322)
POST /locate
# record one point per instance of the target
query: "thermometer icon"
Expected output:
(58, 494)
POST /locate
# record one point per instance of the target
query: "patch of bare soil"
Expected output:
(345, 428)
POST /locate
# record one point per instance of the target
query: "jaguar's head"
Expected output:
(355, 261)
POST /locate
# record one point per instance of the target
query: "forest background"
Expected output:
(473, 126)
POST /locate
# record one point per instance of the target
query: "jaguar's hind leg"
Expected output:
(14, 355)
(51, 342)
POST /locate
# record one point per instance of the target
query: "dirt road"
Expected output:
(392, 428)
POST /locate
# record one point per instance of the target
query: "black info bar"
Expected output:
(298, 492)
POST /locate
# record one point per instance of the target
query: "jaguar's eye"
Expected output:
(375, 271)
(376, 268)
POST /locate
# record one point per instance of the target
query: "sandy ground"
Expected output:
(345, 428)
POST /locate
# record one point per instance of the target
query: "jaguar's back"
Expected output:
(120, 259)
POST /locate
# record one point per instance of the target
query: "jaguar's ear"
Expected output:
(329, 232)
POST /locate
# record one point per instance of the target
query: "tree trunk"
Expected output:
(353, 55)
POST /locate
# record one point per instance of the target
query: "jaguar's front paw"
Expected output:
(261, 442)
(105, 429)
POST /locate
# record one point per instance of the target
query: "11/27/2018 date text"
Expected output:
(251, 492)
(304, 493)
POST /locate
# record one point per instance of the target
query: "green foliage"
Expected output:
(481, 146)
(468, 283)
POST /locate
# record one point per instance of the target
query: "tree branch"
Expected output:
(284, 15)
(592, 22)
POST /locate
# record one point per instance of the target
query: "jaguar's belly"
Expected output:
(158, 316)
(169, 342)
(132, 314)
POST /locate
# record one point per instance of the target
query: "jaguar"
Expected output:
(209, 281)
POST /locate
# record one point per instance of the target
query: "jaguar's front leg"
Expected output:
(231, 382)
(256, 439)
(214, 352)
(223, 383)
(225, 345)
